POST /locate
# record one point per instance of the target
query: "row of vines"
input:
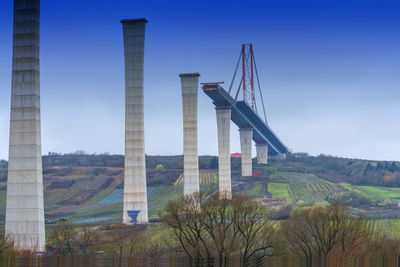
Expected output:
(312, 192)
(206, 178)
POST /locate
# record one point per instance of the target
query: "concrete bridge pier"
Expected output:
(24, 221)
(262, 153)
(246, 136)
(135, 190)
(190, 88)
(224, 160)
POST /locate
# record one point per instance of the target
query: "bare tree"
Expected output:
(87, 239)
(121, 245)
(353, 236)
(219, 224)
(255, 230)
(187, 223)
(316, 231)
(325, 225)
(297, 235)
(63, 238)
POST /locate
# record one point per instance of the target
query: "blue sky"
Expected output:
(329, 72)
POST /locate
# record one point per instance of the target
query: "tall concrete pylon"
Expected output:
(262, 153)
(24, 207)
(246, 135)
(135, 190)
(190, 88)
(224, 160)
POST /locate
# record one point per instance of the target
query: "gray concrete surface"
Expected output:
(224, 160)
(262, 153)
(246, 135)
(135, 190)
(190, 88)
(24, 222)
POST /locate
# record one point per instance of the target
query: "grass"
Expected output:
(161, 197)
(376, 193)
(164, 194)
(305, 192)
(306, 187)
(258, 190)
(302, 178)
(279, 190)
(270, 168)
(157, 234)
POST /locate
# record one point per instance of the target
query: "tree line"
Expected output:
(218, 232)
(199, 231)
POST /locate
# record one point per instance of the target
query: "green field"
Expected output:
(161, 197)
(302, 178)
(295, 187)
(279, 190)
(258, 190)
(163, 194)
(377, 193)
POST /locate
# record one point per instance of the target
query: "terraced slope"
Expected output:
(301, 178)
(206, 178)
(295, 187)
(94, 194)
(85, 195)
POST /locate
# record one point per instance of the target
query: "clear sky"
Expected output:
(329, 71)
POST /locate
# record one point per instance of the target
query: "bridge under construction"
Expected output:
(24, 222)
(245, 117)
(243, 112)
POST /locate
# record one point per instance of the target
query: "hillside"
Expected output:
(84, 189)
(334, 169)
(344, 170)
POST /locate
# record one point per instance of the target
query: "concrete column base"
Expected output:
(262, 153)
(24, 218)
(224, 160)
(246, 136)
(135, 187)
(190, 88)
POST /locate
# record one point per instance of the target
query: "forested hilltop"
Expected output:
(333, 169)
